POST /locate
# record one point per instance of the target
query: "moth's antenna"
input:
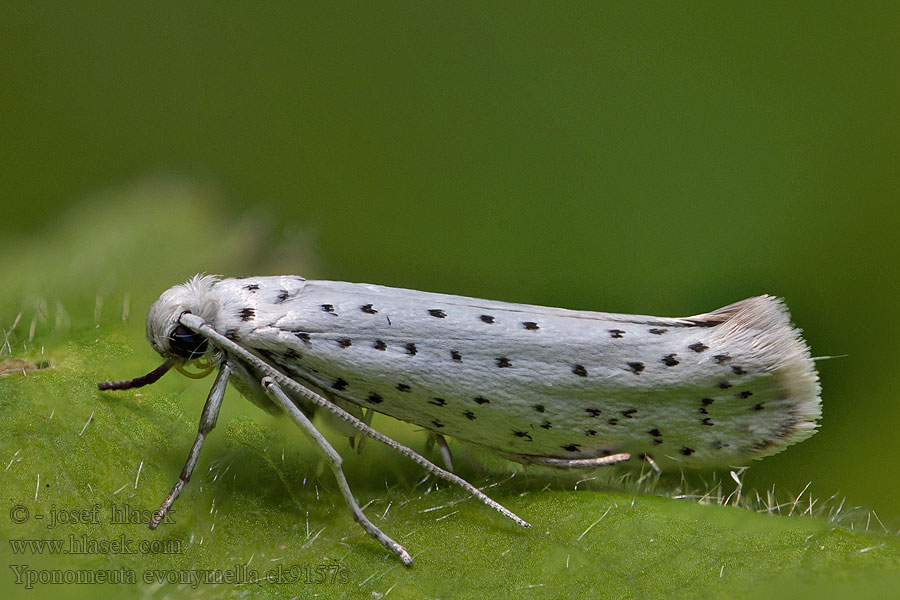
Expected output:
(137, 382)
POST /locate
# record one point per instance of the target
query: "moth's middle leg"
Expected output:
(334, 461)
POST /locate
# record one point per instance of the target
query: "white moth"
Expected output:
(538, 385)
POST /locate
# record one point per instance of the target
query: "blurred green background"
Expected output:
(656, 159)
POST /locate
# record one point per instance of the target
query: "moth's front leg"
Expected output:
(207, 422)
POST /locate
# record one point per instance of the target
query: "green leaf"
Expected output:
(264, 509)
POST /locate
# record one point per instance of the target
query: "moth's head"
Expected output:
(175, 342)
(169, 337)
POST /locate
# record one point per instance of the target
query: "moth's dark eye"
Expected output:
(187, 344)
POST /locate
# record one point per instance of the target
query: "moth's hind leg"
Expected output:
(578, 463)
(441, 441)
(334, 461)
(361, 439)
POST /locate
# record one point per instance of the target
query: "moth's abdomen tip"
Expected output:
(763, 325)
(777, 381)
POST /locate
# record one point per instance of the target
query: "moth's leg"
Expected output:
(441, 441)
(334, 460)
(652, 464)
(357, 411)
(207, 422)
(579, 463)
(367, 419)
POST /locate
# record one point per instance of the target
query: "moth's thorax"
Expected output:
(195, 296)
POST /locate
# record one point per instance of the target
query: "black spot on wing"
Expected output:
(698, 347)
(455, 355)
(340, 384)
(530, 325)
(344, 342)
(367, 308)
(580, 370)
(282, 296)
(411, 349)
(616, 333)
(246, 314)
(437, 312)
(379, 345)
(669, 360)
(636, 367)
(503, 362)
(303, 337)
(329, 308)
(487, 319)
(251, 287)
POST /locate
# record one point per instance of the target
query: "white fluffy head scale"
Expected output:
(192, 296)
